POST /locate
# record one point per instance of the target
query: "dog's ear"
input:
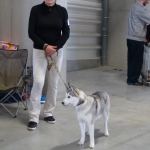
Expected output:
(69, 85)
(74, 90)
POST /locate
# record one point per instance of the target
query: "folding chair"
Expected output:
(12, 80)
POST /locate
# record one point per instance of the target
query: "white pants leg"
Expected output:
(39, 70)
(53, 78)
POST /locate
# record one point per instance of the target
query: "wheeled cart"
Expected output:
(146, 66)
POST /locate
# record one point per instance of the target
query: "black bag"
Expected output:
(148, 34)
(10, 99)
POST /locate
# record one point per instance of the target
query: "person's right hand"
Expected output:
(50, 50)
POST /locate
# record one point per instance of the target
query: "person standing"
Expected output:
(138, 19)
(49, 31)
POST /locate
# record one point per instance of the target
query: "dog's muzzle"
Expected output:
(64, 104)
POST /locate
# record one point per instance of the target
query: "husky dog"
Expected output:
(88, 109)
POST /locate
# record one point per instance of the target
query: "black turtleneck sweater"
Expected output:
(46, 24)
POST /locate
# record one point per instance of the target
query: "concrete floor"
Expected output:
(129, 123)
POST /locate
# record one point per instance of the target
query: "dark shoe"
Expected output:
(136, 83)
(50, 119)
(32, 126)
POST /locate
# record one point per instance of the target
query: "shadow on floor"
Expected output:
(75, 146)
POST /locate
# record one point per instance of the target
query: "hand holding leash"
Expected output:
(50, 50)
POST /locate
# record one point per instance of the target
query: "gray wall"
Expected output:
(14, 16)
(117, 49)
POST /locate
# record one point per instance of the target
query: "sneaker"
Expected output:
(43, 99)
(32, 126)
(50, 119)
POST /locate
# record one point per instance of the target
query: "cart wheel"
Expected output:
(143, 81)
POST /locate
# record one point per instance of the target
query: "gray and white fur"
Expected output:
(88, 109)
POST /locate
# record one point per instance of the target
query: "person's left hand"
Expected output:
(50, 50)
(48, 54)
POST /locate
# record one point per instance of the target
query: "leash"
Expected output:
(49, 66)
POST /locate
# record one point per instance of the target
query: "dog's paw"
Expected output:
(106, 134)
(91, 146)
(80, 142)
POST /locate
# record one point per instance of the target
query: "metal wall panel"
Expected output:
(85, 18)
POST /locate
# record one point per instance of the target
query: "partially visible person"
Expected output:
(138, 19)
(49, 31)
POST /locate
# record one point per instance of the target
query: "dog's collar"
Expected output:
(80, 102)
(94, 96)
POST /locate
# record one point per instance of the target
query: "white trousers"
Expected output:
(39, 71)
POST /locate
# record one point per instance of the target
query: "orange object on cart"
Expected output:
(8, 46)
